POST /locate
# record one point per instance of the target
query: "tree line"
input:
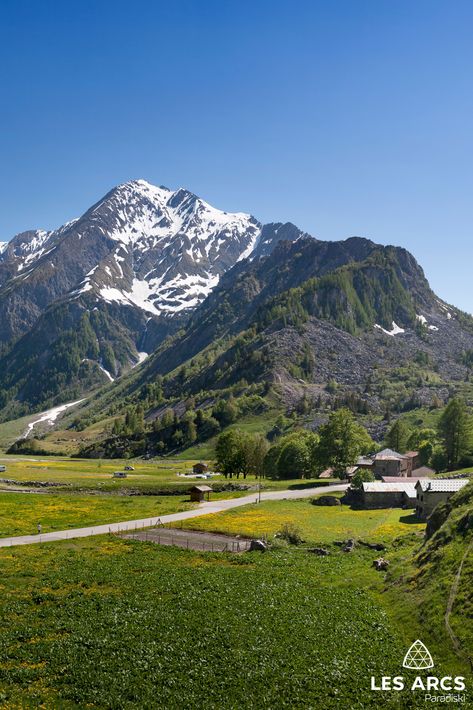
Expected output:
(299, 454)
(446, 447)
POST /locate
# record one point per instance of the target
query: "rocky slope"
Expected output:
(311, 326)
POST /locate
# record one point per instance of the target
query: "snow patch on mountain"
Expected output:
(395, 330)
(106, 372)
(172, 247)
(49, 417)
(142, 356)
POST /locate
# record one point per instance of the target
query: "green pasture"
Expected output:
(109, 623)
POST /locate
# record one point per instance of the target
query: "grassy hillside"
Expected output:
(438, 578)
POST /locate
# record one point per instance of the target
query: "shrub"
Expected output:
(291, 534)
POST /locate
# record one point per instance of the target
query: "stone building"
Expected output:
(429, 493)
(377, 494)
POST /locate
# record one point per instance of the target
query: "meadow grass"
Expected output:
(316, 523)
(20, 513)
(109, 623)
(12, 430)
(97, 474)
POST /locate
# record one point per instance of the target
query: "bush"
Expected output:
(361, 476)
(291, 534)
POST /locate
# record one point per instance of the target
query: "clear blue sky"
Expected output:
(346, 117)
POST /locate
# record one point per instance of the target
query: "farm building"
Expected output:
(200, 467)
(391, 463)
(198, 493)
(423, 472)
(365, 462)
(414, 458)
(377, 494)
(430, 493)
(328, 473)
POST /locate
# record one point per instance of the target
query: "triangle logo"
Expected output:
(418, 657)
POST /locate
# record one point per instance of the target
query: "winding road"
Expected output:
(217, 506)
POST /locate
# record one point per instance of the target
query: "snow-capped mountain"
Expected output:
(170, 248)
(164, 250)
(133, 266)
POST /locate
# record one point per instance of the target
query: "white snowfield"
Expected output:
(395, 330)
(50, 416)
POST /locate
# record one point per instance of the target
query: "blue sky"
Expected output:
(347, 118)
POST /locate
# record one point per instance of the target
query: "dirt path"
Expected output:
(203, 509)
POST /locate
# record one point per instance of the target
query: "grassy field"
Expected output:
(148, 476)
(113, 623)
(119, 624)
(21, 512)
(316, 523)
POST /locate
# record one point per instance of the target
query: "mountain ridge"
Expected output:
(162, 286)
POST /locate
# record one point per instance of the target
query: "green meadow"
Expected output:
(110, 623)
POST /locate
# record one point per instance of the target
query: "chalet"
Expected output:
(198, 493)
(200, 467)
(328, 473)
(377, 494)
(430, 493)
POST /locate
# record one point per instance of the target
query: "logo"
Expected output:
(436, 689)
(418, 657)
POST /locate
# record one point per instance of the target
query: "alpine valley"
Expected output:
(153, 303)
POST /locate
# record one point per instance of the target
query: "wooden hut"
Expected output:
(198, 493)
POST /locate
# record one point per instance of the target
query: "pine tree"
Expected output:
(398, 436)
(455, 431)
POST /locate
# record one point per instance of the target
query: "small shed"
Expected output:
(119, 474)
(198, 493)
(200, 467)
